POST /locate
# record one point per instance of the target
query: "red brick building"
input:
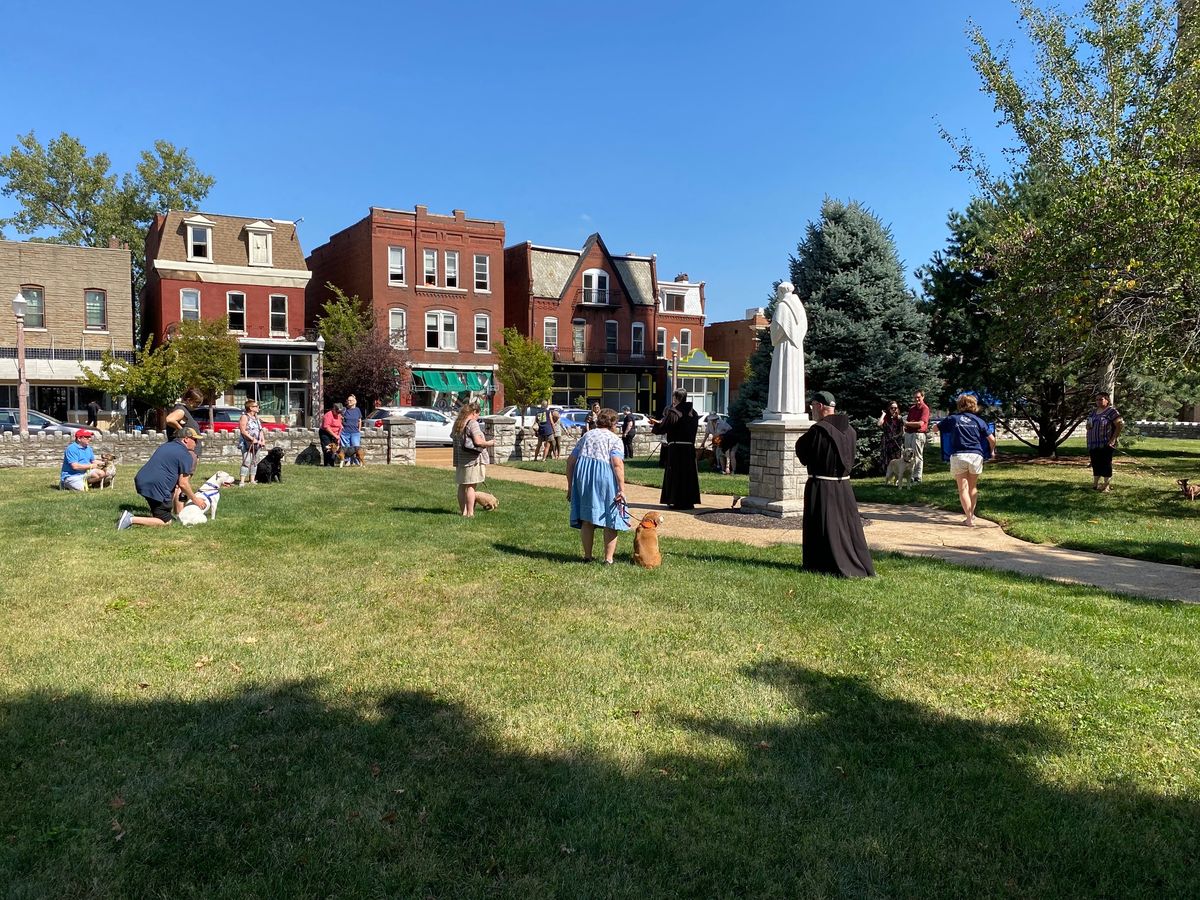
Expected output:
(595, 312)
(252, 271)
(736, 341)
(679, 338)
(436, 283)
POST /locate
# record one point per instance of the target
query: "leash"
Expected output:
(622, 509)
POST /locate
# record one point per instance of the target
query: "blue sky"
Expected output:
(705, 133)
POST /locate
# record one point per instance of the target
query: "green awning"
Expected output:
(454, 382)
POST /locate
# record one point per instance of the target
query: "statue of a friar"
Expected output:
(789, 325)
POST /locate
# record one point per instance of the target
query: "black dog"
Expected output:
(271, 467)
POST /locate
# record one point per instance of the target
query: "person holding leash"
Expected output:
(250, 440)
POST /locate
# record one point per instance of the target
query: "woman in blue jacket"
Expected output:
(966, 443)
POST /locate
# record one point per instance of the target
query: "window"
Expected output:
(452, 268)
(398, 328)
(260, 248)
(550, 334)
(637, 341)
(95, 309)
(483, 337)
(199, 243)
(577, 341)
(660, 342)
(610, 336)
(440, 331)
(396, 265)
(235, 304)
(189, 305)
(672, 302)
(685, 342)
(595, 286)
(35, 306)
(483, 277)
(431, 267)
(278, 314)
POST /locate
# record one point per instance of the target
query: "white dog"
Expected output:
(900, 469)
(211, 492)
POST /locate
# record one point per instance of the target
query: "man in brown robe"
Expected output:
(681, 482)
(834, 542)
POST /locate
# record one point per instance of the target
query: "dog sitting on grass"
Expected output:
(271, 467)
(106, 465)
(1190, 491)
(645, 541)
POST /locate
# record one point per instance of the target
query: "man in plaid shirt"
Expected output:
(1103, 428)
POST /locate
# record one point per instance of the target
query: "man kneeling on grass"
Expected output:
(168, 468)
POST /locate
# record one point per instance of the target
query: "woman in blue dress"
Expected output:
(596, 485)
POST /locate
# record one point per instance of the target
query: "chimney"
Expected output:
(682, 276)
(113, 244)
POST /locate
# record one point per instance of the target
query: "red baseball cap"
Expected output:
(83, 432)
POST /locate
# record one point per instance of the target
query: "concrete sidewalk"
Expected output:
(916, 531)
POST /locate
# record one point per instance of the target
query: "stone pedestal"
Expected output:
(776, 476)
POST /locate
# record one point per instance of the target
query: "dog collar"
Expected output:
(646, 524)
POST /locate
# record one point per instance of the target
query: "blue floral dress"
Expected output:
(594, 488)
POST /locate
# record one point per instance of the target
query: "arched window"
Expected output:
(595, 286)
(441, 330)
(398, 327)
(550, 333)
(35, 305)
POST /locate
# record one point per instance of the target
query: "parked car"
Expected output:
(526, 416)
(226, 418)
(39, 423)
(433, 426)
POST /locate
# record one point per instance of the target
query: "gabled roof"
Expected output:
(231, 246)
(554, 269)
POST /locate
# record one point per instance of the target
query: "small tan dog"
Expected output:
(106, 465)
(645, 541)
(486, 500)
(1190, 491)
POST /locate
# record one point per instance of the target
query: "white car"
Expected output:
(433, 427)
(526, 416)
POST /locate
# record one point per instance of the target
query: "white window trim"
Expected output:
(245, 303)
(403, 282)
(271, 315)
(487, 320)
(634, 329)
(400, 343)
(447, 255)
(661, 354)
(582, 323)
(487, 273)
(545, 342)
(264, 229)
(685, 347)
(103, 329)
(182, 291)
(682, 303)
(198, 222)
(595, 275)
(425, 257)
(442, 314)
(616, 331)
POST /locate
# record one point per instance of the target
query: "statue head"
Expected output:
(785, 288)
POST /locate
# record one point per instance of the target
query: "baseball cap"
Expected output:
(824, 397)
(83, 432)
(188, 432)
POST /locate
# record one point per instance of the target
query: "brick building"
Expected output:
(595, 313)
(736, 341)
(436, 283)
(680, 323)
(205, 266)
(79, 304)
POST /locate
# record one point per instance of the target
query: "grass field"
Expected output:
(341, 688)
(1045, 501)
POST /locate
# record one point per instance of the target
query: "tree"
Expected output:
(66, 196)
(372, 369)
(207, 357)
(525, 368)
(1109, 119)
(344, 322)
(152, 379)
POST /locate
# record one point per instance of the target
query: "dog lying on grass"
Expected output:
(645, 541)
(211, 492)
(486, 501)
(1190, 491)
(900, 469)
(271, 467)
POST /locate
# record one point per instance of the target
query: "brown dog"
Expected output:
(1190, 491)
(645, 541)
(486, 500)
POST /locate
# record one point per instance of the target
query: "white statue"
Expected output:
(789, 325)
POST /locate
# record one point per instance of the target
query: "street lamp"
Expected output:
(19, 305)
(320, 375)
(674, 365)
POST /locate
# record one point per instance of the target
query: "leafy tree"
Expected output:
(525, 368)
(344, 322)
(66, 196)
(207, 356)
(371, 369)
(151, 380)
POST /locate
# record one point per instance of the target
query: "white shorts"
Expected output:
(961, 463)
(74, 483)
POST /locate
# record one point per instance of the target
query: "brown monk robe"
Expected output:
(834, 542)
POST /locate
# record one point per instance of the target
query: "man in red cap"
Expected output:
(79, 470)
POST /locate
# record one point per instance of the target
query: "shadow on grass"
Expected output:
(427, 510)
(547, 555)
(283, 792)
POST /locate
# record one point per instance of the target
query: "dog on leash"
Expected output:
(106, 465)
(271, 467)
(1190, 491)
(486, 500)
(645, 541)
(900, 469)
(355, 454)
(211, 492)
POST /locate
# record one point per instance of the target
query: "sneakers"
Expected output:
(125, 521)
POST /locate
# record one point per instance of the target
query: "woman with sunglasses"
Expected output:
(893, 435)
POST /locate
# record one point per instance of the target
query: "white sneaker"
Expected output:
(125, 521)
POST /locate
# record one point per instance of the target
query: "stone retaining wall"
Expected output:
(514, 442)
(1185, 430)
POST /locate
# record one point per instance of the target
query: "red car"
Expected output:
(226, 418)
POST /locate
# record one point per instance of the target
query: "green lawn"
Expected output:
(646, 470)
(341, 688)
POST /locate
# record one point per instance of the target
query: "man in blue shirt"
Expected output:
(352, 432)
(169, 467)
(79, 470)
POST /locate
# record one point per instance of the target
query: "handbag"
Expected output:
(468, 441)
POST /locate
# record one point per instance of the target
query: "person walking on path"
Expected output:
(163, 478)
(1104, 426)
(470, 456)
(916, 433)
(628, 430)
(966, 445)
(250, 440)
(681, 481)
(834, 542)
(596, 486)
(893, 435)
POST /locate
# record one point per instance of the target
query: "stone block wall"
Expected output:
(514, 443)
(1177, 430)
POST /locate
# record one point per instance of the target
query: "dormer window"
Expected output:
(595, 286)
(673, 303)
(258, 237)
(199, 232)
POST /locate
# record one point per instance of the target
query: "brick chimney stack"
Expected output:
(682, 276)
